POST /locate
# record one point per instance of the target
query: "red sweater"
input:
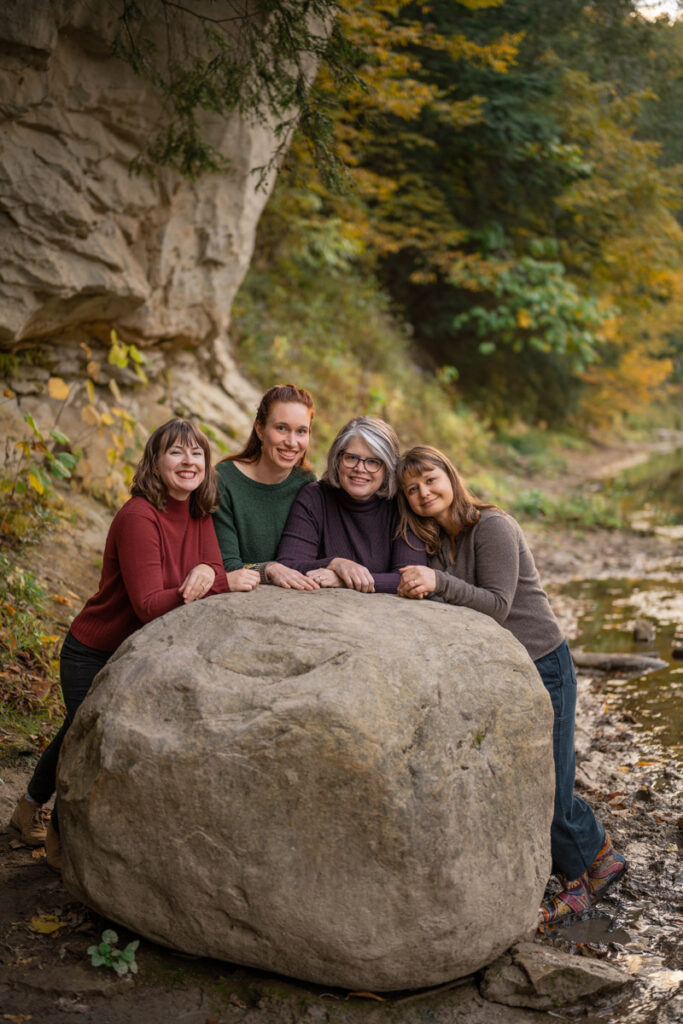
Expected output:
(147, 556)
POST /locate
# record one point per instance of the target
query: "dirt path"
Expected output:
(634, 787)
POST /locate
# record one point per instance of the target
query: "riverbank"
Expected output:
(634, 785)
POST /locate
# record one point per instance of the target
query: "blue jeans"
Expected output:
(78, 666)
(576, 835)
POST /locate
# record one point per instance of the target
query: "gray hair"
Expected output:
(382, 441)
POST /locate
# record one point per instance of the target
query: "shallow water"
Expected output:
(650, 496)
(606, 611)
(640, 923)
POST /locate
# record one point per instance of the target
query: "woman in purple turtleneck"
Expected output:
(342, 530)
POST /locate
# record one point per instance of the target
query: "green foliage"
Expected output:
(123, 355)
(8, 364)
(33, 466)
(119, 422)
(582, 509)
(106, 954)
(512, 199)
(507, 201)
(252, 59)
(529, 305)
(339, 339)
(22, 602)
(28, 652)
(24, 518)
(41, 462)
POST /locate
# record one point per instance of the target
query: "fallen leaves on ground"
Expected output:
(46, 924)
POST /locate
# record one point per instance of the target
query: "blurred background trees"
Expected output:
(510, 232)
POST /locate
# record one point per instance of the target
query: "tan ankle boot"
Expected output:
(29, 820)
(53, 848)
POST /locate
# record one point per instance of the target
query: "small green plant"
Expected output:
(123, 355)
(106, 954)
(532, 503)
(8, 364)
(29, 665)
(29, 471)
(119, 422)
(41, 466)
(22, 621)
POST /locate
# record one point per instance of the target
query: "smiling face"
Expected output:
(285, 437)
(430, 494)
(182, 468)
(358, 482)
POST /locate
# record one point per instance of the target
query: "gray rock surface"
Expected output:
(84, 242)
(542, 978)
(350, 789)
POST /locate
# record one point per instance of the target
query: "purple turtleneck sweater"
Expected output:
(325, 523)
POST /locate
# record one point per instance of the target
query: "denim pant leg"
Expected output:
(576, 836)
(78, 666)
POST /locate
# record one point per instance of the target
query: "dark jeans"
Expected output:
(576, 835)
(78, 666)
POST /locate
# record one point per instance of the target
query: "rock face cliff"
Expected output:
(83, 240)
(350, 789)
(87, 246)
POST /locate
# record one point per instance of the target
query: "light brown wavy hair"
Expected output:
(465, 509)
(279, 393)
(147, 482)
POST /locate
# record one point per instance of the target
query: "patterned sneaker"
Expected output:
(574, 898)
(29, 820)
(606, 869)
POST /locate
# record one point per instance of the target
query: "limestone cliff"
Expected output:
(88, 246)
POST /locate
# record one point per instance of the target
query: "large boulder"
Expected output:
(351, 789)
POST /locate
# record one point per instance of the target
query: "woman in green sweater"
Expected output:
(257, 487)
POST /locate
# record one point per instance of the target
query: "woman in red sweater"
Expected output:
(161, 552)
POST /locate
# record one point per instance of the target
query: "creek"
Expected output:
(640, 922)
(606, 610)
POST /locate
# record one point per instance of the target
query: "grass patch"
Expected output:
(534, 451)
(29, 665)
(579, 510)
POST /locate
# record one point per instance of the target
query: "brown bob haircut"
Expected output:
(279, 393)
(147, 482)
(465, 510)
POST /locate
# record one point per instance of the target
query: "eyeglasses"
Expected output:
(350, 461)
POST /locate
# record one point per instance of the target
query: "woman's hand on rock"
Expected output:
(324, 578)
(197, 583)
(417, 581)
(291, 579)
(243, 579)
(353, 575)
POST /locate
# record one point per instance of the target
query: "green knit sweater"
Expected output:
(252, 515)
